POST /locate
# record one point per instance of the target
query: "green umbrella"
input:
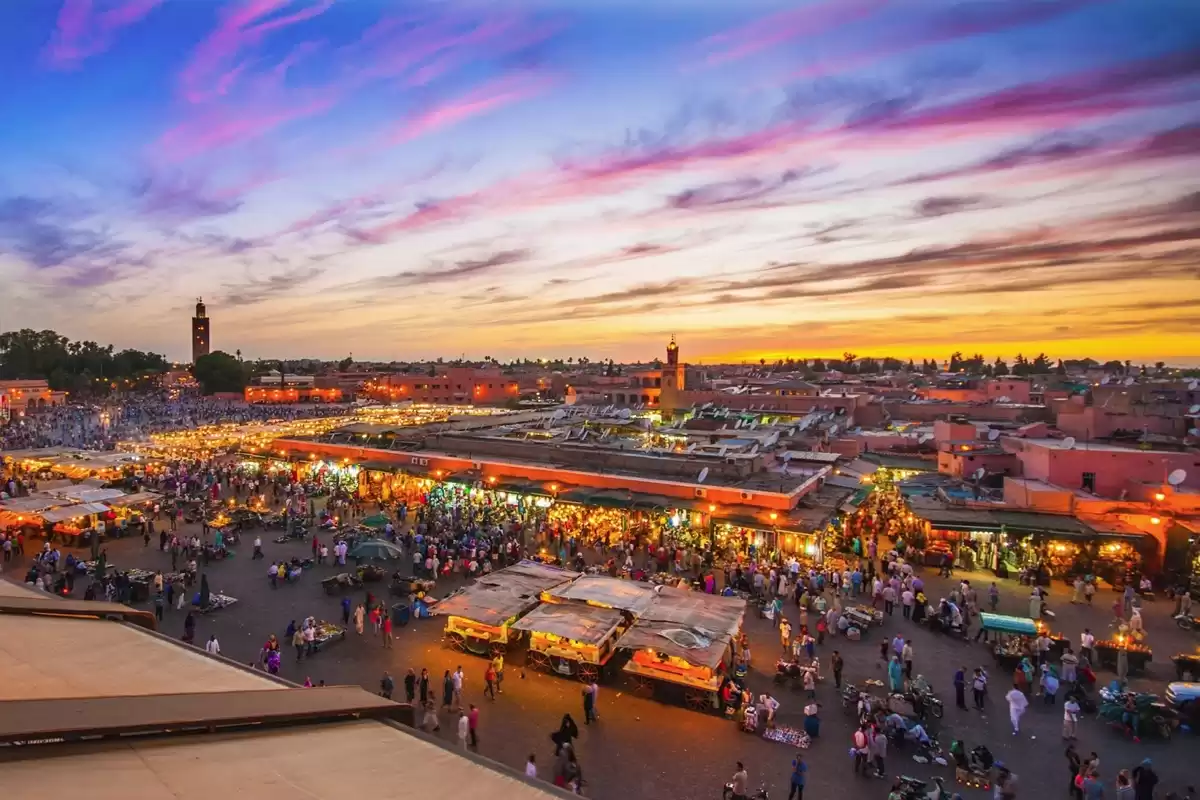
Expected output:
(375, 521)
(376, 548)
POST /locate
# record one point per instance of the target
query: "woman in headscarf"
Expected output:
(895, 675)
(189, 628)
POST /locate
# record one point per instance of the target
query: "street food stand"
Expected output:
(1016, 638)
(478, 616)
(1139, 655)
(683, 646)
(326, 634)
(630, 597)
(572, 639)
(1187, 666)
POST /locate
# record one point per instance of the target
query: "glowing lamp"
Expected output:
(711, 508)
(1155, 520)
(1159, 496)
(774, 516)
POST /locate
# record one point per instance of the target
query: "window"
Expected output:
(1089, 482)
(491, 386)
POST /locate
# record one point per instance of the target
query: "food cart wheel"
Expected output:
(643, 685)
(538, 660)
(498, 649)
(588, 672)
(698, 700)
(457, 641)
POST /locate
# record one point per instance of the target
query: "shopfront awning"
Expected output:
(379, 466)
(135, 499)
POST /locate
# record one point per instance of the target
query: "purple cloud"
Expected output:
(82, 32)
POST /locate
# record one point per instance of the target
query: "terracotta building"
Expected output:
(458, 385)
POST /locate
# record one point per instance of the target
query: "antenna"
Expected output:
(993, 435)
(1177, 477)
(702, 476)
(1068, 443)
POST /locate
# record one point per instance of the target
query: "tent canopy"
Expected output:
(71, 512)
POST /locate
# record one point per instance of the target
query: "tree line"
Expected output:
(80, 367)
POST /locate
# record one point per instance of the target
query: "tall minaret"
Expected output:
(674, 370)
(201, 342)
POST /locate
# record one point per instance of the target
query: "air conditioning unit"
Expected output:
(701, 493)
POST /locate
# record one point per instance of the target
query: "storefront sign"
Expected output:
(417, 461)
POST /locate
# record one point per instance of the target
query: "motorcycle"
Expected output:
(1188, 623)
(297, 533)
(728, 793)
(915, 789)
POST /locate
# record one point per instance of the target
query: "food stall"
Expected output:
(572, 639)
(630, 597)
(82, 519)
(1015, 638)
(1187, 665)
(682, 646)
(326, 634)
(1139, 655)
(478, 616)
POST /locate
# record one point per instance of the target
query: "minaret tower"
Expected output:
(201, 341)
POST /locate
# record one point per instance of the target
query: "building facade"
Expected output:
(201, 333)
(454, 385)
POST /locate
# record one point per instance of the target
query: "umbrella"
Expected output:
(376, 548)
(376, 521)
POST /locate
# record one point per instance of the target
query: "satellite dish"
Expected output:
(912, 397)
(924, 438)
(993, 435)
(558, 414)
(625, 413)
(978, 474)
(1104, 381)
(754, 450)
(1194, 409)
(1177, 477)
(1068, 443)
(1193, 385)
(1130, 381)
(1003, 399)
(1194, 432)
(702, 476)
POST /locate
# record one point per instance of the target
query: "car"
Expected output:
(1184, 698)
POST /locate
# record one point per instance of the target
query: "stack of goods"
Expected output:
(789, 736)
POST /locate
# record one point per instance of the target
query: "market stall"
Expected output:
(682, 646)
(327, 634)
(1014, 638)
(571, 639)
(479, 616)
(1138, 655)
(631, 597)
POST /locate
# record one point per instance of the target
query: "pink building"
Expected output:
(1103, 470)
(1008, 390)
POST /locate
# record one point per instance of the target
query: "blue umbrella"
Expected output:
(376, 548)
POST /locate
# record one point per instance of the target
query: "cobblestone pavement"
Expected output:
(646, 749)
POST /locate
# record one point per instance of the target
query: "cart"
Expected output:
(343, 582)
(478, 616)
(327, 634)
(405, 585)
(371, 573)
(1138, 655)
(1187, 666)
(863, 617)
(571, 639)
(681, 648)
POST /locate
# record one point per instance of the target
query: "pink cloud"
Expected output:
(811, 20)
(214, 64)
(82, 32)
(490, 96)
(227, 127)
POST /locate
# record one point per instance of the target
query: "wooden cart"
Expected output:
(478, 616)
(572, 639)
(682, 646)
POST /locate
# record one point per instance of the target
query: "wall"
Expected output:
(462, 385)
(945, 431)
(674, 399)
(1094, 422)
(1114, 469)
(962, 465)
(928, 412)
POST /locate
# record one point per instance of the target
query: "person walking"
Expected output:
(979, 687)
(837, 663)
(1070, 718)
(531, 767)
(457, 685)
(1017, 703)
(498, 666)
(423, 687)
(473, 725)
(589, 707)
(1144, 780)
(346, 604)
(960, 688)
(386, 686)
(906, 655)
(212, 646)
(799, 773)
(359, 615)
(447, 690)
(1074, 764)
(489, 681)
(464, 729)
(386, 629)
(159, 606)
(410, 686)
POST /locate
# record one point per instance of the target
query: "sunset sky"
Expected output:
(416, 178)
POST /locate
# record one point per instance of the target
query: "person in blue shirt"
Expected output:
(799, 771)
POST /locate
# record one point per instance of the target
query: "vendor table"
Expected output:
(1106, 654)
(327, 634)
(1187, 666)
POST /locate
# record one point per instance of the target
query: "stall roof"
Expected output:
(498, 597)
(32, 504)
(632, 596)
(134, 499)
(586, 624)
(694, 626)
(90, 495)
(71, 512)
(980, 519)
